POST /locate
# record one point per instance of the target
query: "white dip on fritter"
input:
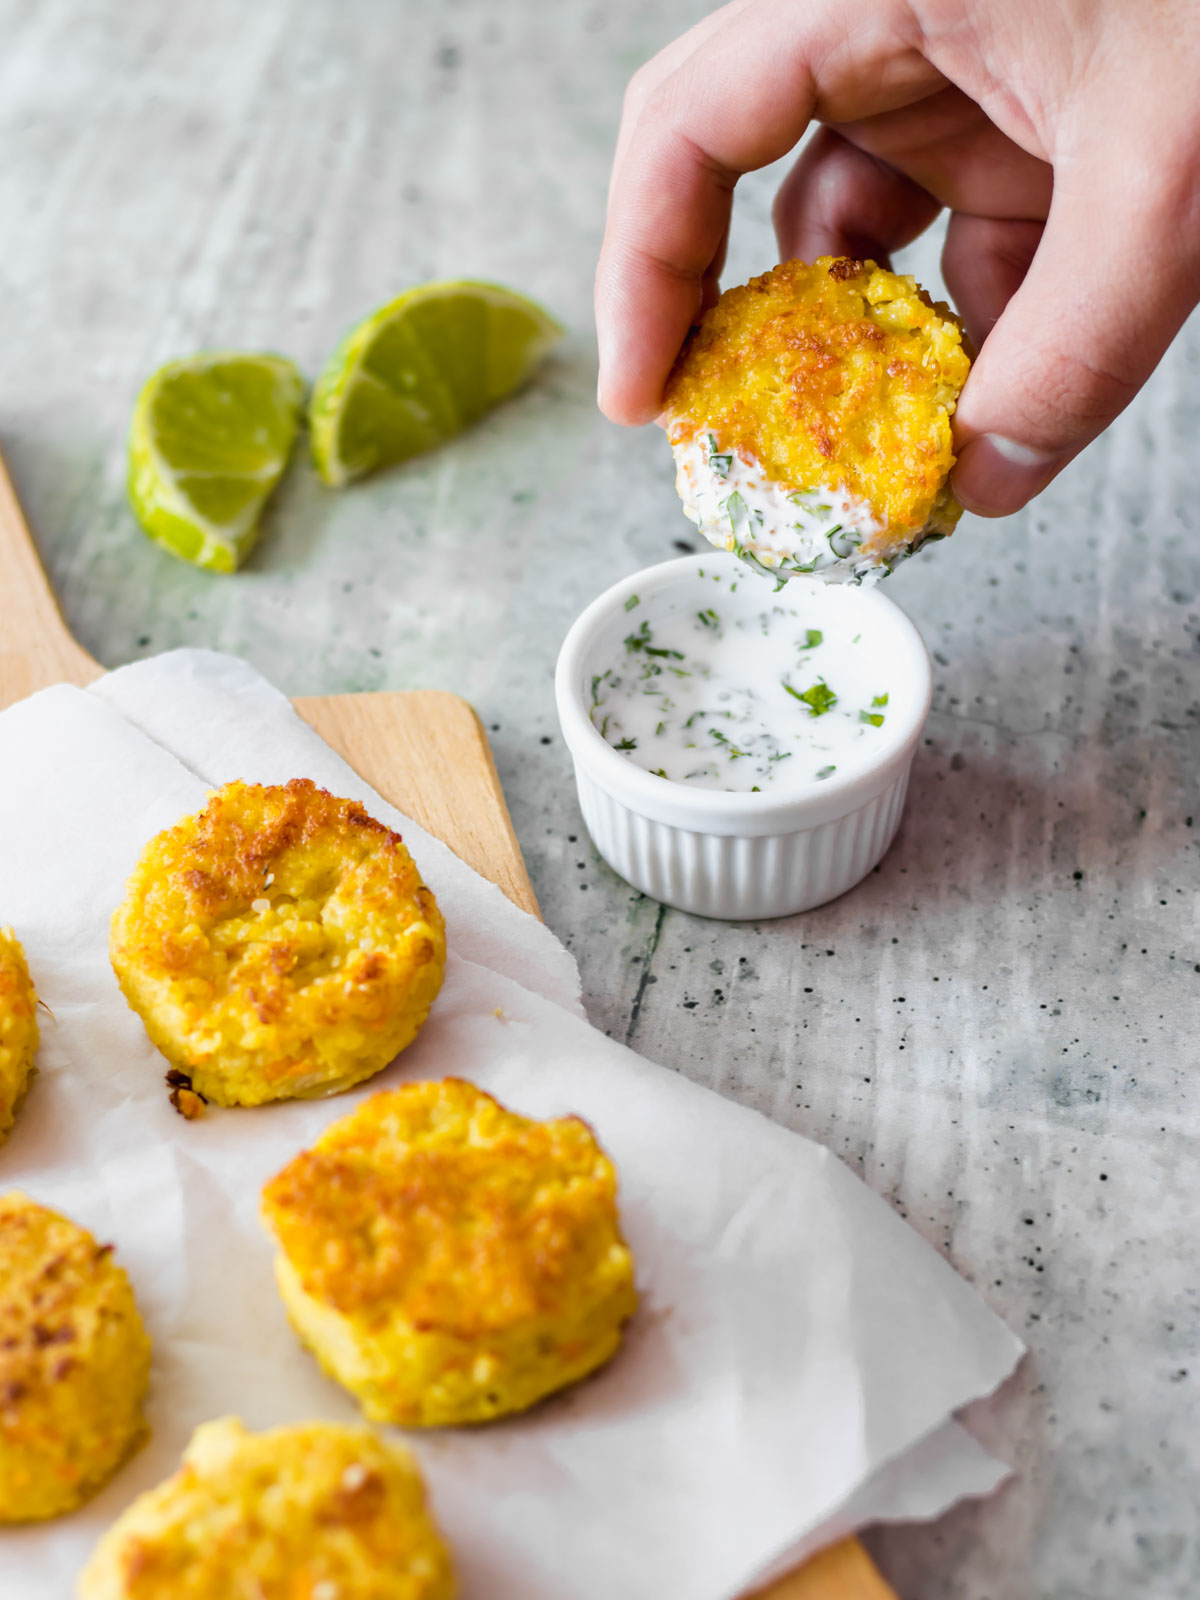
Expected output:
(743, 692)
(817, 532)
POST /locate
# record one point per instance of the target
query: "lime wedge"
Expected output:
(420, 370)
(209, 440)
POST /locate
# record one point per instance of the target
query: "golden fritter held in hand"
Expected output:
(809, 414)
(74, 1363)
(278, 945)
(449, 1261)
(310, 1512)
(18, 1029)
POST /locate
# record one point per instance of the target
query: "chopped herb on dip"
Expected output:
(749, 696)
(819, 699)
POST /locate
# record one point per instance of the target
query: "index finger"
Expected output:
(739, 97)
(668, 60)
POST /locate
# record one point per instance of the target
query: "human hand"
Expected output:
(1062, 135)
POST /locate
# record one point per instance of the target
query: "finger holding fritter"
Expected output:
(839, 201)
(728, 99)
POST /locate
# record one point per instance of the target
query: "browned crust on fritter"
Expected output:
(280, 942)
(497, 1222)
(839, 374)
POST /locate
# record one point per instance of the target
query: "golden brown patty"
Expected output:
(74, 1363)
(450, 1261)
(838, 375)
(18, 1028)
(278, 944)
(311, 1512)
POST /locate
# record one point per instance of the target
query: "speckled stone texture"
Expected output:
(999, 1029)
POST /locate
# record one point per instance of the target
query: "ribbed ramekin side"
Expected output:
(736, 877)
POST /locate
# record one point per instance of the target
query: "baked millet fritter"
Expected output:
(279, 944)
(314, 1511)
(810, 418)
(74, 1363)
(448, 1260)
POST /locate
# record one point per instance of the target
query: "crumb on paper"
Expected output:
(189, 1102)
(499, 1013)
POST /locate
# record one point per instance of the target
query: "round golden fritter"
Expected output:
(836, 376)
(74, 1363)
(278, 945)
(449, 1261)
(310, 1512)
(18, 1028)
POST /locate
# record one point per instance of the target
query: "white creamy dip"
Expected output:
(742, 691)
(818, 532)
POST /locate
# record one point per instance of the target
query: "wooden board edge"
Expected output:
(36, 647)
(416, 762)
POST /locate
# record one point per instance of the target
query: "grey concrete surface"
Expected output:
(999, 1029)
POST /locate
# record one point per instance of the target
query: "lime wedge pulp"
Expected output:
(209, 440)
(420, 370)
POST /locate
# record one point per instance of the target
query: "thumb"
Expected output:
(1112, 281)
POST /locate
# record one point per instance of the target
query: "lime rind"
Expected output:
(209, 440)
(420, 370)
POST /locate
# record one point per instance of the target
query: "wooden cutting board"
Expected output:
(422, 749)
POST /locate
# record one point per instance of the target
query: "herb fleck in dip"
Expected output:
(743, 692)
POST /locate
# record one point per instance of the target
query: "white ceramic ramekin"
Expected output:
(740, 856)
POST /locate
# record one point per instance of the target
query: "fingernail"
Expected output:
(996, 476)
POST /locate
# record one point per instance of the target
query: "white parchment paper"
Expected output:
(796, 1338)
